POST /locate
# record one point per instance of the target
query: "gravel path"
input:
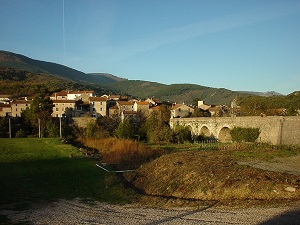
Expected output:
(76, 212)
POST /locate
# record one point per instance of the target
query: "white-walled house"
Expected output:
(73, 95)
(180, 110)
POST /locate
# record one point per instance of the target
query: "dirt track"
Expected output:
(76, 212)
(284, 165)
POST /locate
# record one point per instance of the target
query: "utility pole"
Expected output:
(9, 127)
(39, 120)
(60, 133)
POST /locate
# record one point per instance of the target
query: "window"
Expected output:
(56, 109)
(101, 103)
(101, 109)
(94, 109)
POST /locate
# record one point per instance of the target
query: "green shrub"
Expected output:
(240, 134)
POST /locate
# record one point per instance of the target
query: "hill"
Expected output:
(21, 62)
(174, 92)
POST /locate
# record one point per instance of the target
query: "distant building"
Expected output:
(153, 102)
(5, 110)
(203, 106)
(75, 95)
(98, 106)
(124, 106)
(62, 108)
(180, 110)
(17, 106)
(141, 107)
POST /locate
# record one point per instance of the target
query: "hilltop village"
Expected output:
(85, 103)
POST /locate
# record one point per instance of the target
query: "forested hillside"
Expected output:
(23, 83)
(179, 93)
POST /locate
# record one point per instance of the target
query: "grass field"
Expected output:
(34, 170)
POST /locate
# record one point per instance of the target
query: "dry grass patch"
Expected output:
(125, 153)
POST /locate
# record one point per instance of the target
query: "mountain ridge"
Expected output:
(21, 62)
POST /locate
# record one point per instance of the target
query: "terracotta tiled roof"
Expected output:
(21, 102)
(142, 103)
(63, 101)
(5, 105)
(114, 107)
(176, 106)
(129, 112)
(98, 99)
(61, 93)
(81, 92)
(125, 103)
(155, 108)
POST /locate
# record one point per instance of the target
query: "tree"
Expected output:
(39, 115)
(157, 126)
(107, 124)
(4, 127)
(182, 134)
(125, 129)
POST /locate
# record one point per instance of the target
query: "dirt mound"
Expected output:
(212, 175)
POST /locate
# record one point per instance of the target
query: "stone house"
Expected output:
(17, 106)
(63, 108)
(5, 110)
(153, 102)
(203, 106)
(181, 110)
(62, 95)
(124, 106)
(113, 111)
(128, 115)
(141, 107)
(98, 106)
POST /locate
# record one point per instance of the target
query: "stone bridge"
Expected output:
(277, 130)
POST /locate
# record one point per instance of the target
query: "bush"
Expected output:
(21, 134)
(242, 134)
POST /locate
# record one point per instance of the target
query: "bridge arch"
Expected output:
(205, 131)
(224, 135)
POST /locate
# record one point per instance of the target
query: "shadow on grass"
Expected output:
(53, 179)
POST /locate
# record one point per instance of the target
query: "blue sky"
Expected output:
(251, 45)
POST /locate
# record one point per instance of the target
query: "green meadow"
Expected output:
(34, 170)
